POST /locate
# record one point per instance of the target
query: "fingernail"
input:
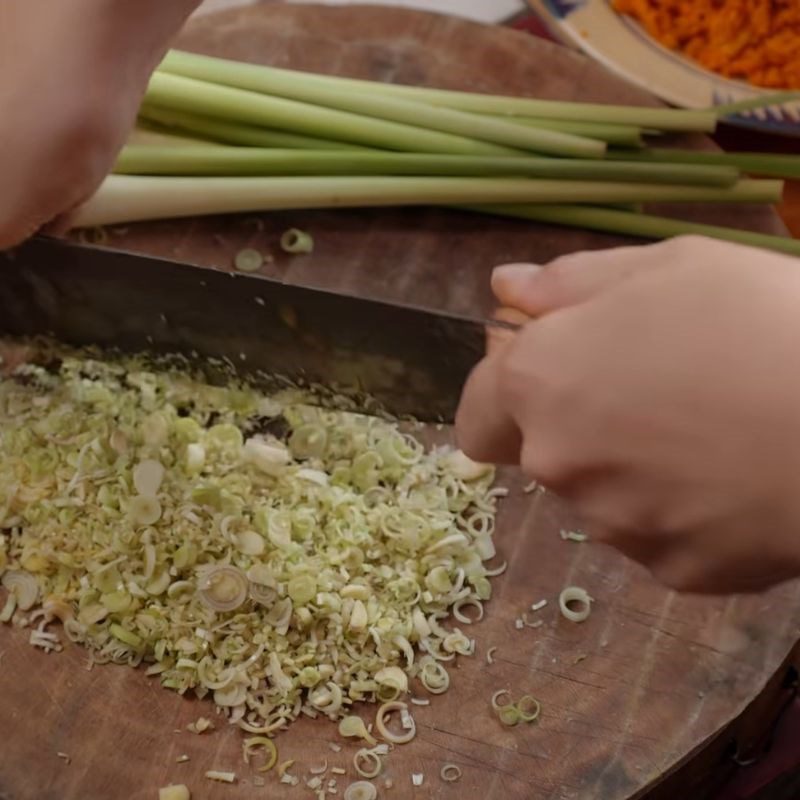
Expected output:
(513, 272)
(508, 276)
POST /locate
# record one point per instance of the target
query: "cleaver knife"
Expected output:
(410, 360)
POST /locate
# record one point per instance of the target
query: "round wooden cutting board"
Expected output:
(653, 687)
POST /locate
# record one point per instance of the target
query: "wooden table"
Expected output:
(648, 697)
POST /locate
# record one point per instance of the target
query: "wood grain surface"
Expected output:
(629, 697)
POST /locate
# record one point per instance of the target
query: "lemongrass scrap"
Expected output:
(538, 606)
(284, 766)
(177, 791)
(248, 260)
(580, 597)
(450, 773)
(367, 763)
(573, 536)
(295, 241)
(490, 655)
(221, 777)
(338, 771)
(182, 759)
(360, 790)
(200, 725)
(270, 751)
(417, 778)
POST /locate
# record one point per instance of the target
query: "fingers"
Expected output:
(485, 430)
(497, 338)
(571, 279)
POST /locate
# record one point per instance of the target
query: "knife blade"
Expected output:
(412, 361)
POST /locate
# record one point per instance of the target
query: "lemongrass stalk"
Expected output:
(253, 108)
(126, 198)
(219, 160)
(379, 105)
(659, 118)
(220, 130)
(145, 135)
(779, 166)
(755, 103)
(619, 135)
(645, 226)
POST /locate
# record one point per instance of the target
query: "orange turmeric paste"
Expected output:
(751, 40)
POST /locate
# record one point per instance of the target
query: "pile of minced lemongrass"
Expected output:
(250, 138)
(278, 558)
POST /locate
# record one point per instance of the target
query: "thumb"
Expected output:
(569, 280)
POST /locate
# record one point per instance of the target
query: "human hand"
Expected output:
(72, 76)
(657, 392)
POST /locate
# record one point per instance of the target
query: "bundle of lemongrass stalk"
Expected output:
(265, 139)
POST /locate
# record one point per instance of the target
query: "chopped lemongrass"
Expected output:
(539, 605)
(420, 701)
(216, 161)
(221, 777)
(354, 727)
(337, 748)
(528, 624)
(240, 74)
(433, 676)
(645, 226)
(574, 595)
(407, 721)
(367, 763)
(182, 759)
(64, 757)
(531, 487)
(573, 536)
(496, 697)
(338, 771)
(490, 655)
(450, 773)
(191, 595)
(177, 791)
(529, 708)
(360, 790)
(22, 586)
(223, 588)
(147, 476)
(519, 623)
(417, 778)
(132, 198)
(248, 260)
(284, 766)
(321, 769)
(200, 725)
(144, 510)
(297, 241)
(509, 715)
(270, 751)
